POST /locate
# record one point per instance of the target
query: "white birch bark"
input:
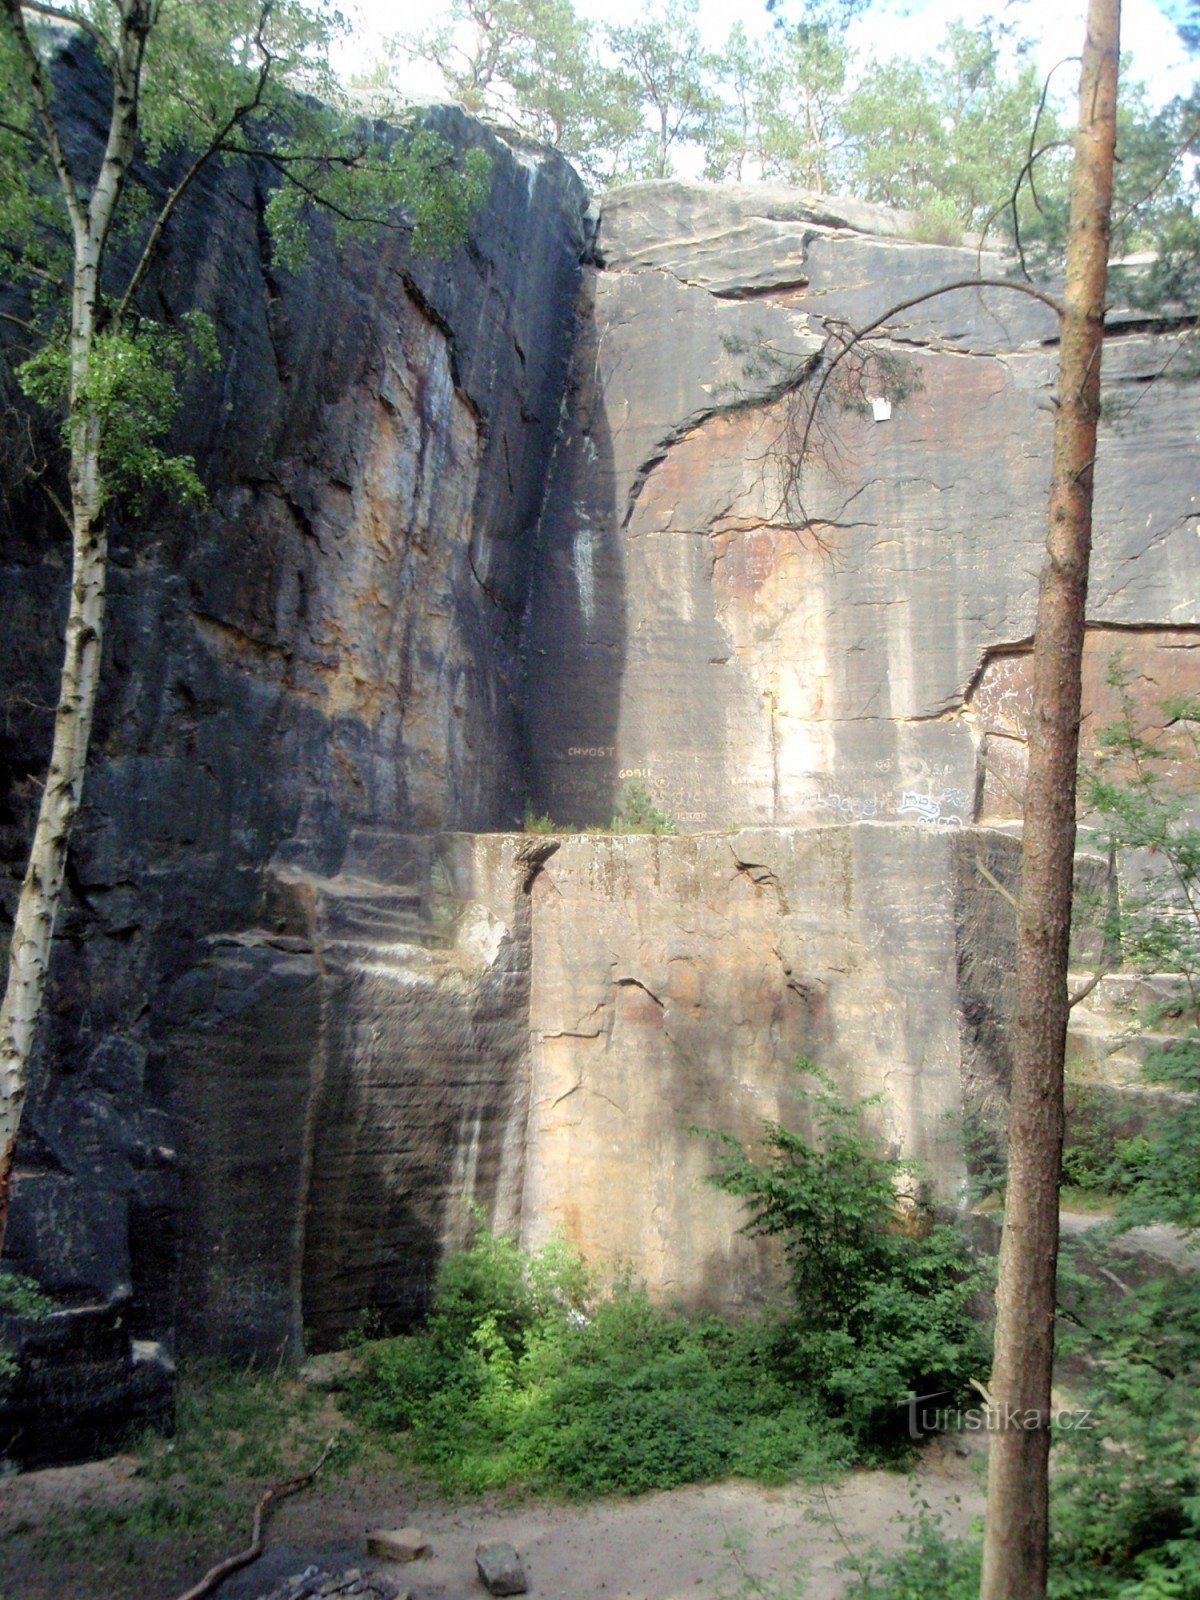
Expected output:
(41, 891)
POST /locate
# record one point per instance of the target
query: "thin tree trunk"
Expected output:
(1016, 1537)
(41, 891)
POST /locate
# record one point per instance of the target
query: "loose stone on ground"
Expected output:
(397, 1544)
(500, 1568)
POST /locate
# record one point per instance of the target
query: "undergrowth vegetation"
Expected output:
(192, 1491)
(1125, 1487)
(636, 813)
(526, 1374)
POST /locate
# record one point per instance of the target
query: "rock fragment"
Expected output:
(397, 1544)
(500, 1568)
(353, 1584)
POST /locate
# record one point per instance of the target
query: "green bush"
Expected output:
(19, 1297)
(539, 822)
(882, 1307)
(637, 813)
(523, 1374)
(512, 1382)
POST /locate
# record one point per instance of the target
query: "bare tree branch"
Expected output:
(40, 89)
(850, 338)
(242, 1558)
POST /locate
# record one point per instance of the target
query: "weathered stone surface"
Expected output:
(397, 1544)
(1160, 664)
(500, 1569)
(77, 1372)
(760, 655)
(330, 645)
(300, 1022)
(733, 238)
(675, 982)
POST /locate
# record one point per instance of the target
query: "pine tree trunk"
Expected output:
(1017, 1530)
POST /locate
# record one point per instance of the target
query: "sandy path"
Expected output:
(697, 1543)
(678, 1545)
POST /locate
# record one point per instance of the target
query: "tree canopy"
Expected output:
(945, 135)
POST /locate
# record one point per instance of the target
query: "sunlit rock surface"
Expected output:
(830, 648)
(504, 531)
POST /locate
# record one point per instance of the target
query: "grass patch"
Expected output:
(193, 1492)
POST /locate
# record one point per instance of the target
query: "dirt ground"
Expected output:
(707, 1542)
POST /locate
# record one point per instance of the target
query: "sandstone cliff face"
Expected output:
(508, 528)
(684, 630)
(331, 645)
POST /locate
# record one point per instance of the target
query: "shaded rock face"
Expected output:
(503, 530)
(689, 629)
(331, 645)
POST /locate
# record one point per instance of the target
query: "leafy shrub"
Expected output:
(637, 813)
(539, 822)
(938, 222)
(512, 1382)
(19, 1297)
(523, 1374)
(879, 1310)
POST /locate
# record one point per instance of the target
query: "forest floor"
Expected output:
(707, 1542)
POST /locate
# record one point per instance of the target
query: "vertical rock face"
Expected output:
(508, 529)
(677, 981)
(762, 647)
(331, 646)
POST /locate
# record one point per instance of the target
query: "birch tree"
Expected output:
(192, 82)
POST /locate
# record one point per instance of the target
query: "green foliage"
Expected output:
(637, 813)
(881, 1304)
(663, 56)
(1145, 792)
(131, 385)
(1127, 1491)
(1125, 1506)
(524, 1374)
(929, 1566)
(1096, 1158)
(539, 822)
(19, 1297)
(514, 1381)
(534, 63)
(945, 136)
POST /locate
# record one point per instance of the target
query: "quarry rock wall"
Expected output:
(845, 640)
(504, 531)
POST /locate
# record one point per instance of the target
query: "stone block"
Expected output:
(397, 1544)
(500, 1568)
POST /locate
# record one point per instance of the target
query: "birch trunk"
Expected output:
(1016, 1538)
(41, 890)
